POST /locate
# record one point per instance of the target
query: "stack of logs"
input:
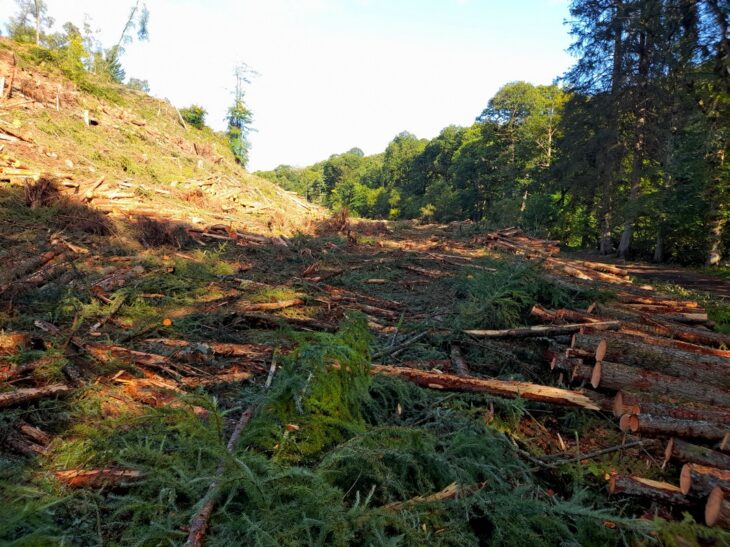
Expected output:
(652, 360)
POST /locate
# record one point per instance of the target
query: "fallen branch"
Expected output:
(542, 330)
(97, 478)
(24, 395)
(451, 492)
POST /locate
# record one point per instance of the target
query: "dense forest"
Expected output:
(627, 154)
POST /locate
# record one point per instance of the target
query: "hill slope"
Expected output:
(150, 162)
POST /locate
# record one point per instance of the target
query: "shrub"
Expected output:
(194, 115)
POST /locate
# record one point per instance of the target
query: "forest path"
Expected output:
(677, 275)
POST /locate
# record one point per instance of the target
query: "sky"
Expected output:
(334, 74)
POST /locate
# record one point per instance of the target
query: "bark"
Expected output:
(646, 488)
(617, 312)
(565, 364)
(701, 479)
(541, 330)
(685, 452)
(708, 369)
(642, 403)
(502, 388)
(33, 433)
(457, 359)
(662, 425)
(615, 376)
(717, 510)
(251, 351)
(98, 478)
(24, 395)
(630, 332)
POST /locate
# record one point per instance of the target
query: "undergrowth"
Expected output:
(327, 450)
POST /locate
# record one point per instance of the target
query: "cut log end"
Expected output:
(685, 479)
(601, 350)
(629, 423)
(717, 510)
(596, 374)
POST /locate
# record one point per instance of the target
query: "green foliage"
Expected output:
(503, 299)
(194, 115)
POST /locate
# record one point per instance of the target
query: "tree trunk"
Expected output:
(614, 376)
(629, 333)
(541, 330)
(685, 452)
(502, 388)
(647, 488)
(701, 479)
(626, 402)
(663, 426)
(707, 369)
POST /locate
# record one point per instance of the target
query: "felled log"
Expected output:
(701, 479)
(677, 308)
(581, 373)
(540, 330)
(652, 299)
(360, 297)
(617, 311)
(98, 478)
(646, 488)
(268, 306)
(428, 272)
(563, 315)
(565, 364)
(22, 445)
(25, 395)
(503, 388)
(708, 369)
(664, 426)
(630, 332)
(273, 321)
(685, 452)
(223, 349)
(717, 509)
(615, 376)
(687, 334)
(626, 402)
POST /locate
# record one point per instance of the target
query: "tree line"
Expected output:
(627, 154)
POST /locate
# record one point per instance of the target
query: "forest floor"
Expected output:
(687, 277)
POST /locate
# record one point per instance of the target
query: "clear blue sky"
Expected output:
(336, 73)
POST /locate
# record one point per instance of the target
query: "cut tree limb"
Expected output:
(663, 492)
(502, 388)
(98, 478)
(541, 330)
(24, 395)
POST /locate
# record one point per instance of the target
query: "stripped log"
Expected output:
(615, 376)
(541, 330)
(664, 426)
(25, 395)
(708, 369)
(502, 388)
(98, 478)
(646, 488)
(701, 479)
(717, 509)
(685, 452)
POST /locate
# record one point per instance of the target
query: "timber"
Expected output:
(502, 388)
(626, 402)
(662, 425)
(632, 331)
(98, 478)
(647, 488)
(615, 377)
(541, 330)
(24, 395)
(685, 452)
(701, 479)
(708, 369)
